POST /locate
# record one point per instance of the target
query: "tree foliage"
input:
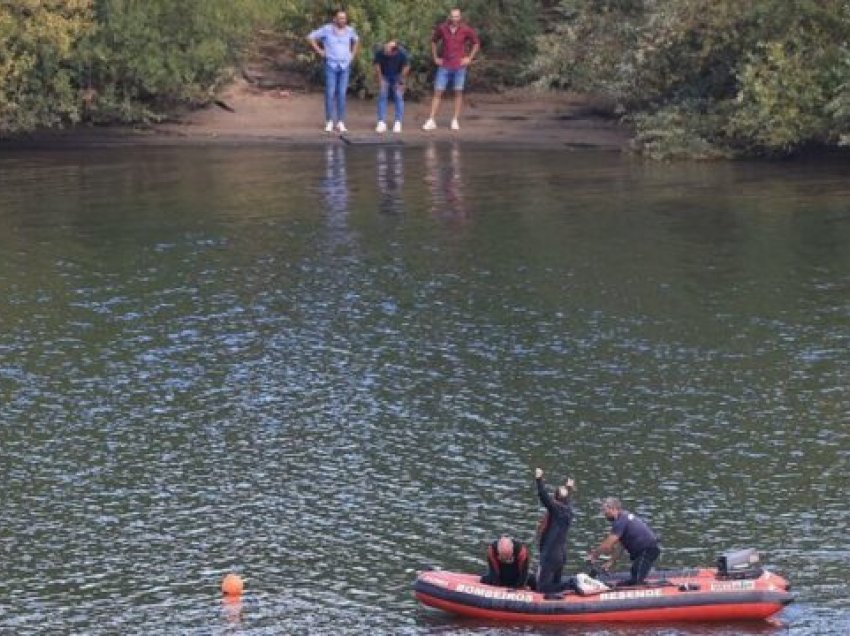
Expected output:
(696, 77)
(116, 60)
(40, 43)
(149, 55)
(720, 76)
(135, 60)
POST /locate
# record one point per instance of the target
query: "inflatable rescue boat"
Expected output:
(738, 589)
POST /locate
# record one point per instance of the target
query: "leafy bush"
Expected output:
(133, 60)
(780, 101)
(125, 60)
(40, 47)
(767, 76)
(149, 56)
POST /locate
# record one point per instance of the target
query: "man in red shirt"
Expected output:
(458, 45)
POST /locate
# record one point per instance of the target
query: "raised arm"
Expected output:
(543, 494)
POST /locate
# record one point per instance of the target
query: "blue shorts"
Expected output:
(457, 77)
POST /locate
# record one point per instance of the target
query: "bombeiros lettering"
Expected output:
(500, 595)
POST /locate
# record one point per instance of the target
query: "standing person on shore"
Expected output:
(553, 534)
(629, 532)
(392, 66)
(338, 44)
(459, 44)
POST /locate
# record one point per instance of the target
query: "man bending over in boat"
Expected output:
(507, 563)
(553, 534)
(632, 533)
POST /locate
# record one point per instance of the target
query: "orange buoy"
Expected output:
(231, 585)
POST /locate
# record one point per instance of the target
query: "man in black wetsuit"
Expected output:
(507, 563)
(553, 534)
(633, 534)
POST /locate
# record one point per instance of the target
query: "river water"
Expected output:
(327, 368)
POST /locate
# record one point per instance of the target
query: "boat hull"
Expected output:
(698, 597)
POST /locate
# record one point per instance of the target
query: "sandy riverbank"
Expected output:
(519, 118)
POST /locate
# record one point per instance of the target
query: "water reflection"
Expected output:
(333, 186)
(390, 175)
(231, 609)
(445, 181)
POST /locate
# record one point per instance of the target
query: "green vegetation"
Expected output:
(146, 56)
(710, 77)
(700, 78)
(64, 61)
(40, 45)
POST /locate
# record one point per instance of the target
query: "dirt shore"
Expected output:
(246, 114)
(522, 117)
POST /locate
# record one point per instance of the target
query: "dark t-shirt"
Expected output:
(633, 532)
(391, 65)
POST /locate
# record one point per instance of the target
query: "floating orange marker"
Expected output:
(232, 585)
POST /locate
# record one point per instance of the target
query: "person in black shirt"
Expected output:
(392, 66)
(553, 534)
(507, 563)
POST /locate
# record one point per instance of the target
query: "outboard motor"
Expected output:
(739, 564)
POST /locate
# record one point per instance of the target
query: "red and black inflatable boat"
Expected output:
(694, 594)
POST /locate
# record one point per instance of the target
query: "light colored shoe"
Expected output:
(429, 125)
(455, 125)
(381, 127)
(340, 126)
(397, 127)
(329, 126)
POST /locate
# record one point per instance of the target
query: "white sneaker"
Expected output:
(341, 127)
(381, 127)
(455, 125)
(397, 127)
(429, 125)
(329, 126)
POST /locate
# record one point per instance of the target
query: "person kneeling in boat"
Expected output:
(507, 563)
(553, 535)
(632, 533)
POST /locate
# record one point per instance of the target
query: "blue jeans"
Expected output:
(336, 84)
(391, 86)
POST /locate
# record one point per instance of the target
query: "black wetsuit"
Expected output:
(553, 540)
(513, 574)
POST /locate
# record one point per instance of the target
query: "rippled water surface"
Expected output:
(330, 368)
